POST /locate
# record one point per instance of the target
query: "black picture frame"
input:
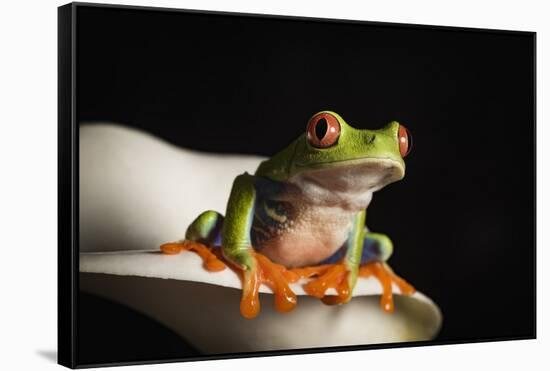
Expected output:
(68, 185)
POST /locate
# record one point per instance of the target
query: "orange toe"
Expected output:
(325, 277)
(405, 287)
(211, 262)
(277, 277)
(250, 300)
(171, 248)
(386, 277)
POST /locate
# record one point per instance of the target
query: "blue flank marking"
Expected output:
(218, 239)
(214, 238)
(337, 256)
(371, 251)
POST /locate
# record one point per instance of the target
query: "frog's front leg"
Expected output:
(211, 232)
(237, 248)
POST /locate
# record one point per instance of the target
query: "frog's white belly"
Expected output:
(314, 234)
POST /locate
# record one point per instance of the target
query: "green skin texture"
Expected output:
(355, 145)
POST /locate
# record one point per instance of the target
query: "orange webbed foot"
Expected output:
(276, 277)
(386, 277)
(325, 277)
(211, 262)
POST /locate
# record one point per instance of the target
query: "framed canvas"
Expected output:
(215, 172)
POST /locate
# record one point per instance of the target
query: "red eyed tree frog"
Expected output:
(302, 215)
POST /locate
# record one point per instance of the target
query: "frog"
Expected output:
(301, 217)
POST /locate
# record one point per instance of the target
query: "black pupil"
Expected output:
(321, 128)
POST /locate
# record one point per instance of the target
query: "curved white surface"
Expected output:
(137, 191)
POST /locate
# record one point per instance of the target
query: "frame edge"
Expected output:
(66, 294)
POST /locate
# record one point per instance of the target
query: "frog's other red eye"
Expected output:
(405, 141)
(323, 130)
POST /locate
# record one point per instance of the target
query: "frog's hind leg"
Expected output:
(340, 270)
(204, 238)
(377, 248)
(206, 229)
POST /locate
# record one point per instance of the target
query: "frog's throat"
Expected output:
(356, 176)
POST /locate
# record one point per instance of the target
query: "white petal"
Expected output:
(137, 191)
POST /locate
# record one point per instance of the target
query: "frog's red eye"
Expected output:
(405, 140)
(323, 130)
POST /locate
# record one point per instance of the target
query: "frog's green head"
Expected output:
(336, 155)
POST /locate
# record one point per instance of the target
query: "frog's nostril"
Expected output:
(371, 139)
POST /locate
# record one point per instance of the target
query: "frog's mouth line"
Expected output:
(389, 162)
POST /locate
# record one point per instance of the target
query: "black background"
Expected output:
(462, 220)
